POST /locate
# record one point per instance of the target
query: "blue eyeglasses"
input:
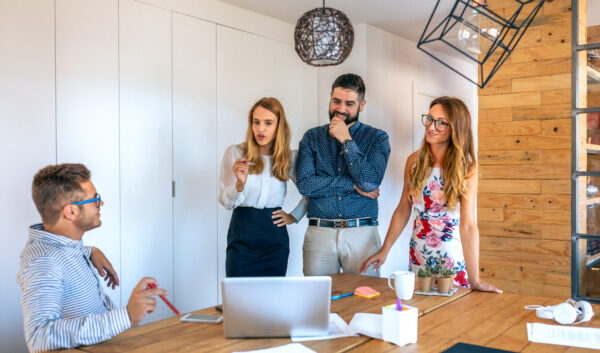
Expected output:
(96, 199)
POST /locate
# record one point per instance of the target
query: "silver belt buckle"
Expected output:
(340, 224)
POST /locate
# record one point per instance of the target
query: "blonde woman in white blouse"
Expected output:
(253, 182)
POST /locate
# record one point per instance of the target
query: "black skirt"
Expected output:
(255, 246)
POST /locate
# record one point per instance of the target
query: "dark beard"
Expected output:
(349, 120)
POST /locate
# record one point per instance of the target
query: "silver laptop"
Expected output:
(276, 306)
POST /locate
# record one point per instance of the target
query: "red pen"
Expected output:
(151, 285)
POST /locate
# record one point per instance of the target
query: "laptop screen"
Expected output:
(276, 306)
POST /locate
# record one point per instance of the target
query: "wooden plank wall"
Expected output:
(524, 200)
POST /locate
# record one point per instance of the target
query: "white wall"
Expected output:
(149, 92)
(27, 139)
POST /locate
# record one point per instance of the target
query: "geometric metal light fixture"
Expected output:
(477, 33)
(323, 37)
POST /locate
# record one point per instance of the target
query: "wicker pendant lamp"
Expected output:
(323, 37)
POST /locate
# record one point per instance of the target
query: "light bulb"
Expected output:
(477, 33)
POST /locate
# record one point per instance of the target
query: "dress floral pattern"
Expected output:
(436, 231)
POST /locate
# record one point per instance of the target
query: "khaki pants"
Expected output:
(327, 249)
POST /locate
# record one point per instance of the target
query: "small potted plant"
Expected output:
(425, 276)
(446, 275)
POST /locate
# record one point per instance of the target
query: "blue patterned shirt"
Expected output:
(63, 302)
(327, 171)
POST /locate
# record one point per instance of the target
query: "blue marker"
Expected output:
(342, 295)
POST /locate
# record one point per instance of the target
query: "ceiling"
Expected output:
(405, 18)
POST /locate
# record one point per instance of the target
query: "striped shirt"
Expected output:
(327, 171)
(62, 298)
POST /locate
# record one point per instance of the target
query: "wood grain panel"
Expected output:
(510, 100)
(538, 216)
(510, 128)
(556, 156)
(496, 86)
(540, 83)
(556, 7)
(525, 161)
(525, 143)
(529, 69)
(559, 171)
(556, 186)
(558, 278)
(557, 96)
(527, 246)
(546, 261)
(525, 201)
(556, 51)
(490, 214)
(558, 127)
(509, 157)
(553, 111)
(500, 186)
(525, 230)
(495, 115)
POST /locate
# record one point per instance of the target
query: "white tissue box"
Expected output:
(400, 327)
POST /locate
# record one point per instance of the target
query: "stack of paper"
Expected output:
(584, 337)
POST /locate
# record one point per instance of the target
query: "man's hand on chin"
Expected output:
(339, 130)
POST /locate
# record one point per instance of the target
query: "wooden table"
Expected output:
(472, 317)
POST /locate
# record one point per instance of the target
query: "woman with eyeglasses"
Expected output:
(440, 184)
(253, 182)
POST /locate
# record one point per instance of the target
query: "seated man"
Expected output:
(63, 302)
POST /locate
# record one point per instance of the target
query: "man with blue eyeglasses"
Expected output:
(62, 300)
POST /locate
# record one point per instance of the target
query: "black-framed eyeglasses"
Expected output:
(438, 124)
(97, 199)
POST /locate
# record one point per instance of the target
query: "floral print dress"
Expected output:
(436, 231)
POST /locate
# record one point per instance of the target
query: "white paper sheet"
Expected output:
(585, 337)
(288, 348)
(367, 324)
(337, 328)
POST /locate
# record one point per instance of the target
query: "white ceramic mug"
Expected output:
(404, 284)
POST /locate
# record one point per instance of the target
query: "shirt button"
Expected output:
(339, 169)
(351, 163)
(340, 198)
(340, 215)
(346, 150)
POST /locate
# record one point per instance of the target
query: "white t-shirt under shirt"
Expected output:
(261, 190)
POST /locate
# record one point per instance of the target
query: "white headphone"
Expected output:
(569, 312)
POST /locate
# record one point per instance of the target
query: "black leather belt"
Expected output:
(342, 223)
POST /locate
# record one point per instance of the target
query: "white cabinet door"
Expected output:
(250, 67)
(87, 108)
(27, 139)
(195, 163)
(295, 86)
(146, 148)
(245, 73)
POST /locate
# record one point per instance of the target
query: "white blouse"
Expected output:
(261, 190)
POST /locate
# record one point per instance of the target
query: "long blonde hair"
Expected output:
(459, 161)
(280, 151)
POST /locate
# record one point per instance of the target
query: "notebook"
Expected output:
(276, 306)
(471, 348)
